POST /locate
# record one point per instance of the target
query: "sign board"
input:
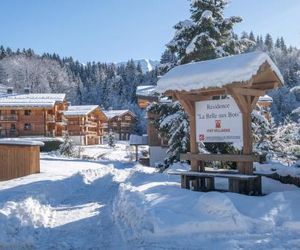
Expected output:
(219, 121)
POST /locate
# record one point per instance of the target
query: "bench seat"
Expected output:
(204, 181)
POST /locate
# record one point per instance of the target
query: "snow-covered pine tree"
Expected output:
(207, 35)
(111, 139)
(172, 125)
(67, 148)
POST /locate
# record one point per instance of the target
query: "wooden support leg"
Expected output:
(210, 184)
(185, 182)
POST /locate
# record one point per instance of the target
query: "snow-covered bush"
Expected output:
(67, 148)
(111, 139)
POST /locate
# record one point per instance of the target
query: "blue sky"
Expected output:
(117, 30)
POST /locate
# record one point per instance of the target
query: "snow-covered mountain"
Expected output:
(146, 64)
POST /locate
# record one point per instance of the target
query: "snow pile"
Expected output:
(18, 221)
(153, 209)
(215, 73)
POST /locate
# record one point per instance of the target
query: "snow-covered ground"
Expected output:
(114, 203)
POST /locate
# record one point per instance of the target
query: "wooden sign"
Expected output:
(219, 121)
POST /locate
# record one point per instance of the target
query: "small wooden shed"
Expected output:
(19, 158)
(244, 78)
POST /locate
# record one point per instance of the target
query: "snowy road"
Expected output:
(114, 203)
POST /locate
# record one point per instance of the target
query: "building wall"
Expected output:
(121, 126)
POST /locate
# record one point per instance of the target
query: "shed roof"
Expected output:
(16, 141)
(216, 73)
(80, 110)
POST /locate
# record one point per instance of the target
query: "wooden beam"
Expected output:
(249, 92)
(219, 157)
(265, 85)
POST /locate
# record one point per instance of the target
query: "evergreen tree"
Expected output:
(207, 35)
(67, 148)
(111, 139)
(269, 42)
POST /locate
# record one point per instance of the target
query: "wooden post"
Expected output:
(136, 153)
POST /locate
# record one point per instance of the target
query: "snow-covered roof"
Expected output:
(295, 89)
(138, 140)
(113, 113)
(81, 110)
(31, 100)
(265, 98)
(16, 141)
(147, 90)
(215, 73)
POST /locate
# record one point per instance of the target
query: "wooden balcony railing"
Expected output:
(8, 117)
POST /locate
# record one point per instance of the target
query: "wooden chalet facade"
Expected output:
(32, 114)
(120, 122)
(146, 95)
(85, 124)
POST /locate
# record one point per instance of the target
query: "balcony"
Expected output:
(8, 118)
(125, 124)
(8, 132)
(91, 124)
(50, 118)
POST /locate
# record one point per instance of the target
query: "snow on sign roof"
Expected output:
(81, 110)
(147, 90)
(31, 100)
(215, 73)
(265, 98)
(113, 113)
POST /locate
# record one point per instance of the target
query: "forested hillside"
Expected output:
(108, 85)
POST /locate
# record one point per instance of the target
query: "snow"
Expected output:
(215, 73)
(113, 113)
(16, 141)
(80, 110)
(114, 203)
(145, 90)
(31, 100)
(138, 140)
(265, 98)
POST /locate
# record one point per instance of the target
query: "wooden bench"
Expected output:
(205, 181)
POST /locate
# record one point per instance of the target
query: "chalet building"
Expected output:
(31, 114)
(265, 102)
(120, 122)
(85, 124)
(146, 95)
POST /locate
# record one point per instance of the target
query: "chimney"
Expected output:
(9, 90)
(27, 90)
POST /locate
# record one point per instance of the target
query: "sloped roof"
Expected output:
(147, 90)
(113, 113)
(265, 98)
(215, 73)
(80, 110)
(31, 100)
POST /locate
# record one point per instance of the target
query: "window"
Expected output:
(12, 126)
(27, 112)
(0, 126)
(27, 126)
(12, 112)
(127, 118)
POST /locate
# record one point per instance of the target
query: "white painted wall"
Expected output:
(78, 140)
(157, 154)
